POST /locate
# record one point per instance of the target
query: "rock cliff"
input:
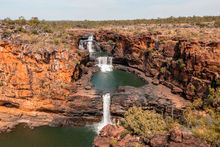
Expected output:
(184, 65)
(41, 88)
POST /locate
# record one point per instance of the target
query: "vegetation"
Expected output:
(144, 123)
(163, 69)
(202, 118)
(124, 133)
(60, 25)
(113, 142)
(213, 99)
(181, 64)
(205, 124)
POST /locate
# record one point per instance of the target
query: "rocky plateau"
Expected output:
(51, 86)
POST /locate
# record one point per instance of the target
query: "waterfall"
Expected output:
(105, 64)
(81, 47)
(90, 44)
(106, 118)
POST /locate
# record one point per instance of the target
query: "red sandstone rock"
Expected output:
(174, 138)
(176, 135)
(159, 141)
(183, 59)
(111, 130)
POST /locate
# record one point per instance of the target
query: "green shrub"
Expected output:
(181, 63)
(113, 142)
(213, 99)
(124, 133)
(197, 103)
(21, 21)
(204, 125)
(34, 21)
(47, 29)
(8, 21)
(56, 41)
(171, 122)
(217, 24)
(35, 32)
(6, 34)
(20, 29)
(144, 123)
(163, 69)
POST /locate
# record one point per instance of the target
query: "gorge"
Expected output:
(80, 90)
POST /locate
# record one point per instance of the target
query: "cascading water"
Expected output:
(105, 64)
(81, 47)
(90, 44)
(106, 118)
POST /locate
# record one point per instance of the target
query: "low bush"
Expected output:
(213, 99)
(204, 124)
(144, 123)
(124, 133)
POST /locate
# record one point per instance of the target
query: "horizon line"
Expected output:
(129, 19)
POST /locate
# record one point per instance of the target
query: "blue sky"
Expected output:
(106, 9)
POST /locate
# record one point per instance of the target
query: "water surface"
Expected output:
(109, 81)
(48, 137)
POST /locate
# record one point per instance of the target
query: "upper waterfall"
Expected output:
(87, 44)
(90, 44)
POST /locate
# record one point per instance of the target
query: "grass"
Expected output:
(61, 25)
(203, 117)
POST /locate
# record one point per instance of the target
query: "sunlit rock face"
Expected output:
(36, 74)
(35, 85)
(43, 83)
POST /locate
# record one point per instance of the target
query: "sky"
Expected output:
(106, 9)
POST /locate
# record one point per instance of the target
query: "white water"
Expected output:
(90, 44)
(106, 119)
(81, 45)
(105, 64)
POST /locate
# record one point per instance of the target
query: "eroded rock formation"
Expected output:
(176, 137)
(41, 88)
(186, 66)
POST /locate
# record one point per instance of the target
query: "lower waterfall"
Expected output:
(106, 118)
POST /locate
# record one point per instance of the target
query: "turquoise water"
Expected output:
(48, 137)
(110, 81)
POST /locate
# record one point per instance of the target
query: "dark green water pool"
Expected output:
(109, 81)
(48, 137)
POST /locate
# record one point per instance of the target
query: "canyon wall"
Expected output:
(49, 85)
(186, 66)
(40, 87)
